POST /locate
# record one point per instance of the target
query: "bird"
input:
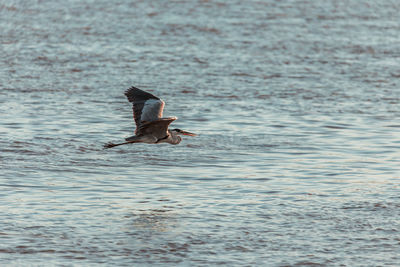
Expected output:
(151, 127)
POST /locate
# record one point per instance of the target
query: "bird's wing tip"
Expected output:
(134, 92)
(129, 90)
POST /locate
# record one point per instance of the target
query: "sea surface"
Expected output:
(297, 109)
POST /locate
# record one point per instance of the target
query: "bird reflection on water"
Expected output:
(155, 220)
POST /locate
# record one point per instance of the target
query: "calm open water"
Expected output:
(297, 107)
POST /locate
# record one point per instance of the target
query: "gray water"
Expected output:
(296, 107)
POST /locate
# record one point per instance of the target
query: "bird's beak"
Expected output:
(188, 133)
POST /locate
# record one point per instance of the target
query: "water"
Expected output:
(296, 107)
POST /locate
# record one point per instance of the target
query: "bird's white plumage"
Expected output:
(152, 110)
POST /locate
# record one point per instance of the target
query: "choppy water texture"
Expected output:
(296, 104)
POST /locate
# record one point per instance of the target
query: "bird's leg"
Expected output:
(110, 145)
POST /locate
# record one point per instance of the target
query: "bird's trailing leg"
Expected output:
(110, 144)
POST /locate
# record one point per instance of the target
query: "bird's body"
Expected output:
(153, 133)
(151, 128)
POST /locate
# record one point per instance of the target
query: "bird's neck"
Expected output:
(174, 138)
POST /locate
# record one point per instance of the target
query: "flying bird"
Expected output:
(151, 127)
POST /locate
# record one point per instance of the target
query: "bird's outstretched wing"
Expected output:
(158, 128)
(146, 107)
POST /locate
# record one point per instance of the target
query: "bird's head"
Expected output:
(181, 132)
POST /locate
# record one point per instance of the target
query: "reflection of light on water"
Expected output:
(297, 115)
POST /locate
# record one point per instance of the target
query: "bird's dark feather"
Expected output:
(138, 98)
(158, 128)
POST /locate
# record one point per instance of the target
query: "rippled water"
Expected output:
(296, 107)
